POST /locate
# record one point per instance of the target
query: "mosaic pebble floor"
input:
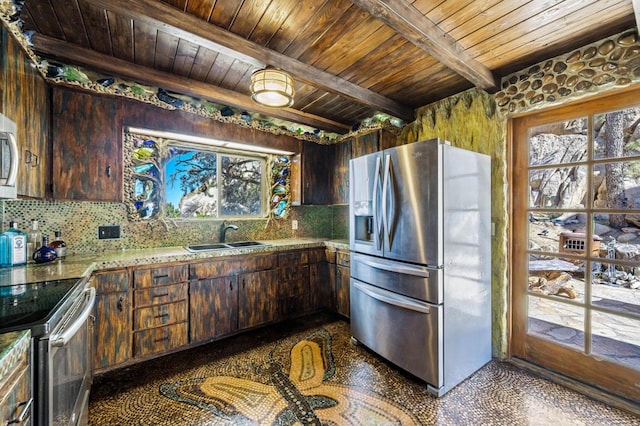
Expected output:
(308, 372)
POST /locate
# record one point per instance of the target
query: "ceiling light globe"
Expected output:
(273, 88)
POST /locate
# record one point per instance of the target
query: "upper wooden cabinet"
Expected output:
(24, 98)
(87, 147)
(351, 148)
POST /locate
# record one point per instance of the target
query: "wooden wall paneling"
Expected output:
(25, 100)
(365, 144)
(87, 159)
(317, 168)
(388, 140)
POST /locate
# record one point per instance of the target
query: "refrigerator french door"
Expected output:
(420, 238)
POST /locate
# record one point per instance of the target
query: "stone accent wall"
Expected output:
(606, 65)
(470, 120)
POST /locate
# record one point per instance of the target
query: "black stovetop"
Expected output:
(25, 306)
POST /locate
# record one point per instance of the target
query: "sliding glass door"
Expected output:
(576, 241)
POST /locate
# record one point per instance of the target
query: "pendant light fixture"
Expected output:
(272, 87)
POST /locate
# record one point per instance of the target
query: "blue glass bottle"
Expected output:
(13, 247)
(45, 253)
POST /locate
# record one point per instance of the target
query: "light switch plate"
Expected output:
(294, 224)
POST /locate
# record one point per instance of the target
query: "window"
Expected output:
(177, 177)
(201, 183)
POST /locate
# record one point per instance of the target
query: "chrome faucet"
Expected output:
(223, 230)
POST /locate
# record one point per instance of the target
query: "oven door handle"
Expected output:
(64, 337)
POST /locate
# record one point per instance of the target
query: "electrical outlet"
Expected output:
(108, 232)
(294, 224)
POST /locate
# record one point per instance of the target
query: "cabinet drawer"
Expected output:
(111, 282)
(160, 294)
(293, 258)
(161, 339)
(152, 277)
(342, 258)
(16, 393)
(159, 315)
(232, 266)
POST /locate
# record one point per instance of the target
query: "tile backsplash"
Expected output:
(79, 222)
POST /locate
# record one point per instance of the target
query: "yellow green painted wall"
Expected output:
(470, 120)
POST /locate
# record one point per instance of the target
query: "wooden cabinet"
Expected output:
(257, 298)
(343, 276)
(293, 283)
(112, 313)
(213, 308)
(320, 294)
(160, 313)
(25, 99)
(15, 386)
(87, 153)
(316, 173)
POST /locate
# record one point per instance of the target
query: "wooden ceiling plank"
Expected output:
(497, 17)
(94, 60)
(144, 36)
(203, 9)
(202, 64)
(249, 14)
(316, 27)
(42, 13)
(517, 54)
(479, 9)
(219, 69)
(97, 27)
(549, 22)
(121, 30)
(422, 32)
(165, 53)
(185, 57)
(238, 77)
(334, 38)
(291, 28)
(70, 19)
(224, 13)
(195, 30)
(179, 4)
(272, 20)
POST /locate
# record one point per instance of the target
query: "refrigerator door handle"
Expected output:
(391, 298)
(407, 270)
(377, 203)
(385, 197)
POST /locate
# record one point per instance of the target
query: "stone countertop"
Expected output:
(12, 346)
(83, 265)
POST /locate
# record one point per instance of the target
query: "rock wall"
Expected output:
(470, 120)
(608, 64)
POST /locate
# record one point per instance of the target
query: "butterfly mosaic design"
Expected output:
(303, 396)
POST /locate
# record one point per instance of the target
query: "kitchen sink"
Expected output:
(206, 247)
(195, 248)
(246, 244)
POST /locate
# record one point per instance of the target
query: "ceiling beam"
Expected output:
(409, 22)
(636, 11)
(77, 55)
(168, 19)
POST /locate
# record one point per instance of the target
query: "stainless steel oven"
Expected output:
(58, 312)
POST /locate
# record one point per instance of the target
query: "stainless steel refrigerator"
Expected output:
(420, 239)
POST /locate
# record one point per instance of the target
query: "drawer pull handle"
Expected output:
(25, 411)
(157, 277)
(161, 295)
(161, 315)
(162, 339)
(230, 285)
(121, 304)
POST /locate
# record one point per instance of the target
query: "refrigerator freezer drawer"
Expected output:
(418, 282)
(404, 331)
